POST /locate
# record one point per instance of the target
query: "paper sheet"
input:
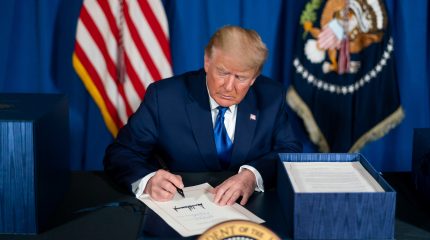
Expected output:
(197, 212)
(331, 177)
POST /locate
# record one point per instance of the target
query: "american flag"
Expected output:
(121, 47)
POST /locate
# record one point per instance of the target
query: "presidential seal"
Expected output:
(344, 83)
(238, 230)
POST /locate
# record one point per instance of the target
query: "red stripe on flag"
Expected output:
(98, 83)
(134, 78)
(98, 39)
(156, 28)
(101, 44)
(117, 19)
(155, 74)
(110, 17)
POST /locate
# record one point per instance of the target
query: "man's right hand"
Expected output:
(162, 186)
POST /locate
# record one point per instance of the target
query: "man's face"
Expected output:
(227, 79)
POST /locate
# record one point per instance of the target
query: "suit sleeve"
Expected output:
(128, 158)
(283, 141)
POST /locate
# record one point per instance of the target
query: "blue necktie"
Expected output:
(222, 140)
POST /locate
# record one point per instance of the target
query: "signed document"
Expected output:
(197, 212)
(331, 177)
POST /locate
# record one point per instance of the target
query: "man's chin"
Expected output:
(225, 102)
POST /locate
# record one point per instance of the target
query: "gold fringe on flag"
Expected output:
(318, 138)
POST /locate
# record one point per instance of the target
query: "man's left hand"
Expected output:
(241, 184)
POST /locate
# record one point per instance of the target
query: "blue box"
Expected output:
(34, 160)
(343, 215)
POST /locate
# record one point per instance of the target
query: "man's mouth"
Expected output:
(226, 97)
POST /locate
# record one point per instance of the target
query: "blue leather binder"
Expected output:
(339, 215)
(33, 159)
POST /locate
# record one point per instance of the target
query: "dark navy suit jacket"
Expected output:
(174, 121)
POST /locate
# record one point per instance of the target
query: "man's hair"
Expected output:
(245, 43)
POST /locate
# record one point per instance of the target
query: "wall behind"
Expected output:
(37, 40)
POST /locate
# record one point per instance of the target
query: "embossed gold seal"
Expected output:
(238, 230)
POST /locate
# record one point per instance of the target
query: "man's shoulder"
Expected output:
(268, 92)
(267, 85)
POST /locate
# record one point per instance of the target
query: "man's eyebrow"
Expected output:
(245, 75)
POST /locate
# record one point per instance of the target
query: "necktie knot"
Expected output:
(221, 111)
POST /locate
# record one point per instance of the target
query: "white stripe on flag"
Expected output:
(106, 63)
(99, 64)
(148, 37)
(135, 59)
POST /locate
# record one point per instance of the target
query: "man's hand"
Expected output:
(241, 184)
(162, 186)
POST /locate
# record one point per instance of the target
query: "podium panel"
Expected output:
(33, 160)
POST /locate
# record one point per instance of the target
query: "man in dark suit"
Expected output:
(225, 117)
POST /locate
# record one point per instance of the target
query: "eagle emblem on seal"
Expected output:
(345, 27)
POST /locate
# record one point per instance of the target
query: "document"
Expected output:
(197, 212)
(331, 177)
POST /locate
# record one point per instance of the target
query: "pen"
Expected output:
(164, 166)
(180, 192)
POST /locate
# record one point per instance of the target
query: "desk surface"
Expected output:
(265, 205)
(92, 190)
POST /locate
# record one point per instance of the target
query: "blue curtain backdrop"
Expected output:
(37, 39)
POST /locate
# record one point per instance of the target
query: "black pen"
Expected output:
(164, 166)
(180, 192)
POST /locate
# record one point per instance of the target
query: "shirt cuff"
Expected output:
(258, 178)
(139, 186)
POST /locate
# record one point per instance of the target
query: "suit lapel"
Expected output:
(198, 110)
(246, 121)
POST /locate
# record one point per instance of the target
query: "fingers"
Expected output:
(213, 190)
(233, 198)
(220, 193)
(227, 194)
(229, 191)
(244, 200)
(175, 180)
(161, 195)
(162, 186)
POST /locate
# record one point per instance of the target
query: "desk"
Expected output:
(265, 205)
(90, 189)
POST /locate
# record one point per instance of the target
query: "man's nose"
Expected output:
(229, 83)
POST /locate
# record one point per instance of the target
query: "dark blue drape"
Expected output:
(37, 39)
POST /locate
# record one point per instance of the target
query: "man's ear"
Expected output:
(253, 80)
